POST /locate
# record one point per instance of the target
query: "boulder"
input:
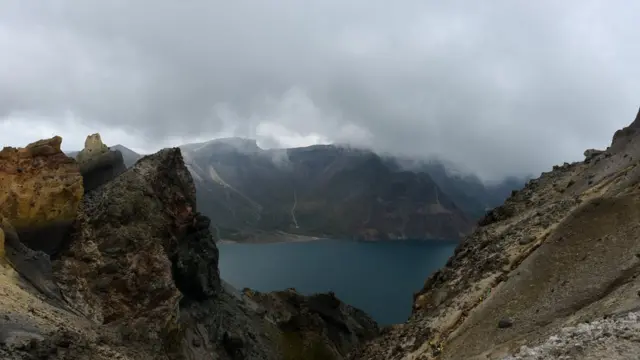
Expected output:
(505, 323)
(40, 189)
(316, 324)
(591, 153)
(98, 165)
(525, 240)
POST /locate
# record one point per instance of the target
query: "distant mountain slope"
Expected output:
(130, 157)
(466, 190)
(250, 192)
(323, 190)
(470, 193)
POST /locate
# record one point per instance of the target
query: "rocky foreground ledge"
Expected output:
(120, 265)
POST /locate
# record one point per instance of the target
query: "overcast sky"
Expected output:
(512, 87)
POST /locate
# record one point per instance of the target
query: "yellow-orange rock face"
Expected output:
(39, 184)
(1, 245)
(93, 147)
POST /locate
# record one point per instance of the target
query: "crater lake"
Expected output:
(376, 277)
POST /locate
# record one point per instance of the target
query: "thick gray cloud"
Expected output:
(507, 88)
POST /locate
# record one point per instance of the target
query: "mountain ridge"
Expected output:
(258, 195)
(321, 190)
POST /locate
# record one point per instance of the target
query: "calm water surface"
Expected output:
(377, 277)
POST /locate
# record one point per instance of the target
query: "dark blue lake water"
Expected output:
(377, 277)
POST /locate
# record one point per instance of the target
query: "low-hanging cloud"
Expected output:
(510, 87)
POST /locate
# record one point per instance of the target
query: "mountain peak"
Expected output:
(240, 144)
(636, 123)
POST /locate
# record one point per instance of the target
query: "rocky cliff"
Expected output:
(540, 273)
(136, 275)
(40, 191)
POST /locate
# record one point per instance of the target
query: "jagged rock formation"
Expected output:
(98, 164)
(93, 147)
(117, 268)
(323, 191)
(308, 322)
(129, 156)
(138, 279)
(562, 251)
(591, 153)
(40, 191)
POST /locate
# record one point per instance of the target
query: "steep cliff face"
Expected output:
(40, 191)
(561, 252)
(138, 279)
(117, 269)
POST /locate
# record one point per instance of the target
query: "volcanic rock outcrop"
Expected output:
(137, 277)
(40, 191)
(308, 322)
(98, 164)
(562, 252)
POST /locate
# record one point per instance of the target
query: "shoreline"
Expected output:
(294, 238)
(274, 238)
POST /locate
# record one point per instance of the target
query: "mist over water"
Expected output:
(377, 277)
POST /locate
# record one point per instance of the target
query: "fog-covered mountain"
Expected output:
(252, 194)
(322, 190)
